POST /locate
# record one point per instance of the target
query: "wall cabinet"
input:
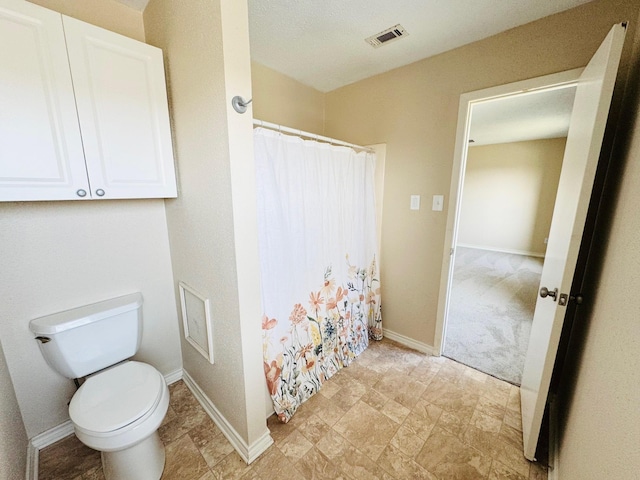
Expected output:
(83, 111)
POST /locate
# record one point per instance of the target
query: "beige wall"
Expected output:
(13, 441)
(212, 223)
(285, 101)
(413, 110)
(599, 415)
(107, 14)
(59, 255)
(508, 195)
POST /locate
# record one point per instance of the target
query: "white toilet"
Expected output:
(118, 409)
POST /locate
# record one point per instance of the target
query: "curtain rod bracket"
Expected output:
(239, 104)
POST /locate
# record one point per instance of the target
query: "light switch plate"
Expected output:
(415, 202)
(438, 203)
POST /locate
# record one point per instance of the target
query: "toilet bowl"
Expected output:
(122, 402)
(118, 412)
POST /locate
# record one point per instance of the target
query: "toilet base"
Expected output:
(143, 461)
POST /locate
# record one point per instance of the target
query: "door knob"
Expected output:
(545, 292)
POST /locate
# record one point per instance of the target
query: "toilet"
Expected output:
(122, 402)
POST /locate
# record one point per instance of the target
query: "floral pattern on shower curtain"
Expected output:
(319, 275)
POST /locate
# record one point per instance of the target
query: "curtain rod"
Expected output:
(302, 133)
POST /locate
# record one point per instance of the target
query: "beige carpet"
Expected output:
(492, 302)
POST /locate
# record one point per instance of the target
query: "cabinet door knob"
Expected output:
(81, 193)
(100, 192)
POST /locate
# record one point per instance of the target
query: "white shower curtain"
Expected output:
(320, 286)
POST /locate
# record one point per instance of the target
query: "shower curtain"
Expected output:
(320, 284)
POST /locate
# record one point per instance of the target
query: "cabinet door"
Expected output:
(41, 154)
(122, 108)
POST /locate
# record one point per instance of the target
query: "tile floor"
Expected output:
(393, 414)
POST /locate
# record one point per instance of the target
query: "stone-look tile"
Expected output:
(499, 391)
(395, 411)
(295, 446)
(453, 424)
(425, 370)
(329, 389)
(272, 464)
(314, 429)
(367, 429)
(204, 432)
(538, 472)
(349, 459)
(210, 476)
(513, 419)
(511, 435)
(475, 375)
(183, 460)
(489, 407)
(513, 458)
(502, 472)
(375, 399)
(321, 406)
(450, 373)
(427, 410)
(278, 429)
(514, 398)
(446, 456)
(403, 389)
(407, 441)
(303, 413)
(250, 475)
(315, 466)
(213, 449)
(485, 422)
(401, 466)
(459, 402)
(424, 374)
(171, 414)
(67, 459)
(349, 395)
(96, 473)
(487, 442)
(472, 386)
(188, 414)
(362, 374)
(333, 445)
(419, 425)
(231, 467)
(455, 399)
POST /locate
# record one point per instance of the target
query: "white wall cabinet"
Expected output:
(83, 111)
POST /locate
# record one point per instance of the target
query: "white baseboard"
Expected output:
(248, 452)
(173, 377)
(55, 434)
(409, 342)
(43, 440)
(502, 250)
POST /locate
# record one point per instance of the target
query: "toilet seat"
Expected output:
(117, 397)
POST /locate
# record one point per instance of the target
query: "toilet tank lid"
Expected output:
(76, 317)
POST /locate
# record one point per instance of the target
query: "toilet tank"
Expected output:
(83, 340)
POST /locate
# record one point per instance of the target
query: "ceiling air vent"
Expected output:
(386, 36)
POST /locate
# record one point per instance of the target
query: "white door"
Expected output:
(41, 155)
(122, 108)
(584, 141)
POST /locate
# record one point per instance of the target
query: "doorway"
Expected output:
(508, 158)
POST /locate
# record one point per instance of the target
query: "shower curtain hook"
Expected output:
(239, 104)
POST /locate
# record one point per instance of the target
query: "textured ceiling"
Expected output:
(321, 43)
(529, 116)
